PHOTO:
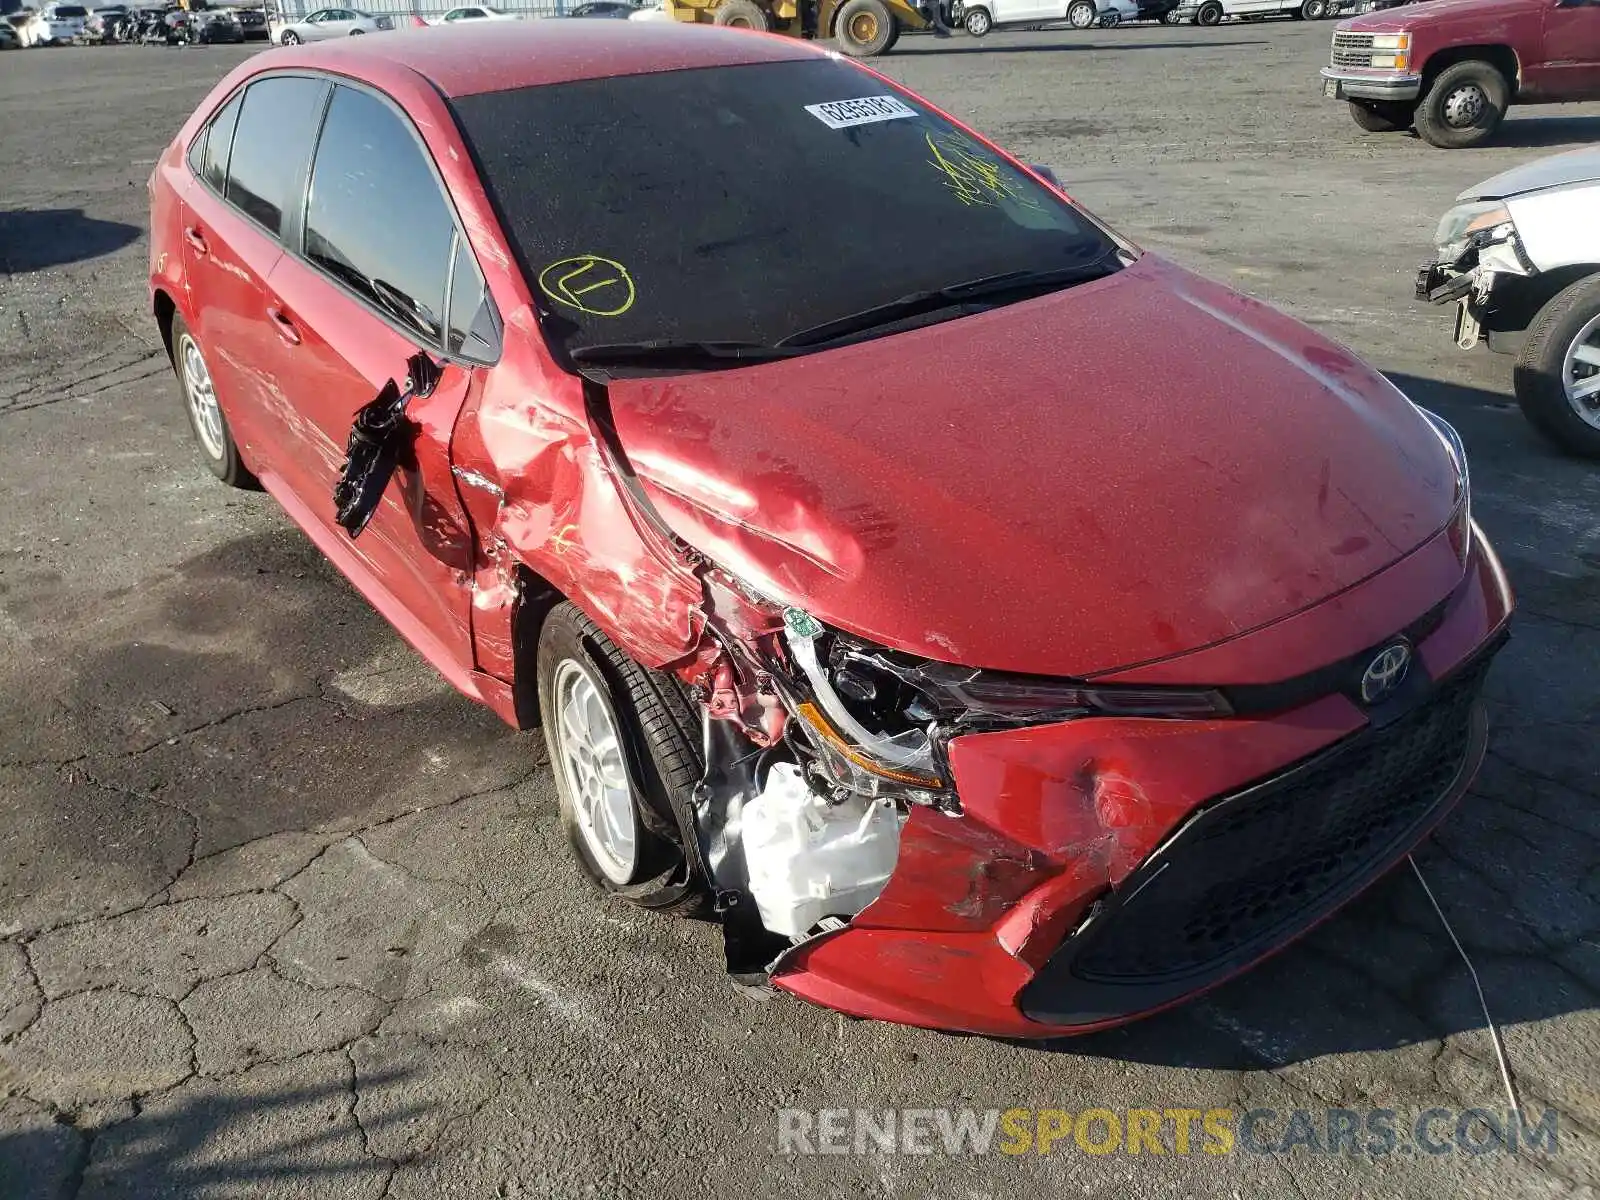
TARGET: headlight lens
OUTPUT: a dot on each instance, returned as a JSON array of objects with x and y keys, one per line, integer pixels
[
  {"x": 878, "y": 719},
  {"x": 1391, "y": 41},
  {"x": 1464, "y": 220}
]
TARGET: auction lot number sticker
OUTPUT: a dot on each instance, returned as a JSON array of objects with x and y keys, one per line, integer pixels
[{"x": 864, "y": 110}]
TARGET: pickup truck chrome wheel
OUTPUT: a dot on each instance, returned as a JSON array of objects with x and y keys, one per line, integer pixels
[
  {"x": 1580, "y": 374},
  {"x": 1464, "y": 106},
  {"x": 590, "y": 754}
]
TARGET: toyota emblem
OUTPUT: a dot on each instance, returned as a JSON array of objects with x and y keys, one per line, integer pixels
[{"x": 1385, "y": 673}]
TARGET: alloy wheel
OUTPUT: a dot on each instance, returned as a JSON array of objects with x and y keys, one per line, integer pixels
[
  {"x": 590, "y": 749},
  {"x": 201, "y": 394},
  {"x": 1580, "y": 374}
]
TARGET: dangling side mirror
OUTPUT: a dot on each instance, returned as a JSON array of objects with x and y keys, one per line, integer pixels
[
  {"x": 1047, "y": 174},
  {"x": 373, "y": 449}
]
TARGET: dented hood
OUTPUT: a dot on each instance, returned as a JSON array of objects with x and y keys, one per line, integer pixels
[{"x": 1107, "y": 475}]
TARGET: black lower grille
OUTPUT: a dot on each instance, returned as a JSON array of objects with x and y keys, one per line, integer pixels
[{"x": 1250, "y": 870}]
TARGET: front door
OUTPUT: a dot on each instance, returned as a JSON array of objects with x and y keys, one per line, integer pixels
[
  {"x": 1571, "y": 70},
  {"x": 380, "y": 249}
]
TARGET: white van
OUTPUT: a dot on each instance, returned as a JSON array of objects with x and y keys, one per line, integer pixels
[
  {"x": 980, "y": 16},
  {"x": 1211, "y": 12}
]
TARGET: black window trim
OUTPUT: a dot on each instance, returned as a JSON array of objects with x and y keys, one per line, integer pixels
[{"x": 292, "y": 235}]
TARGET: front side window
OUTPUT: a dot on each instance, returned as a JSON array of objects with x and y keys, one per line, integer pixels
[
  {"x": 271, "y": 144},
  {"x": 376, "y": 219},
  {"x": 752, "y": 204}
]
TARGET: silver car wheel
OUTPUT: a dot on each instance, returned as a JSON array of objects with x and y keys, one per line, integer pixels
[
  {"x": 1464, "y": 106},
  {"x": 202, "y": 396},
  {"x": 1580, "y": 373},
  {"x": 591, "y": 764}
]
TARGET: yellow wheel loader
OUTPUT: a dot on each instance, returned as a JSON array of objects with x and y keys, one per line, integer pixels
[{"x": 862, "y": 28}]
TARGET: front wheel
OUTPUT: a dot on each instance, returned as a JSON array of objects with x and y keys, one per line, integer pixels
[
  {"x": 978, "y": 22},
  {"x": 624, "y": 753},
  {"x": 1463, "y": 106},
  {"x": 1209, "y": 14},
  {"x": 864, "y": 28},
  {"x": 290, "y": 38},
  {"x": 1382, "y": 116},
  {"x": 357, "y": 32},
  {"x": 1558, "y": 371},
  {"x": 1172, "y": 18},
  {"x": 1082, "y": 14}
]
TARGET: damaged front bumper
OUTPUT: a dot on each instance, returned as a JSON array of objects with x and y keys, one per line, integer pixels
[
  {"x": 1102, "y": 869},
  {"x": 1476, "y": 275}
]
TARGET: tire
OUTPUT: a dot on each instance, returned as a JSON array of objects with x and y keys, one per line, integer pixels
[
  {"x": 894, "y": 36},
  {"x": 978, "y": 22},
  {"x": 357, "y": 32},
  {"x": 864, "y": 28},
  {"x": 212, "y": 436},
  {"x": 290, "y": 38},
  {"x": 1382, "y": 116},
  {"x": 1172, "y": 18},
  {"x": 656, "y": 753},
  {"x": 1082, "y": 15},
  {"x": 741, "y": 14},
  {"x": 1541, "y": 372},
  {"x": 1463, "y": 106},
  {"x": 1209, "y": 14}
]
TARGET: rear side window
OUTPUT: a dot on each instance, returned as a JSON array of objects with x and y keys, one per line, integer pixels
[
  {"x": 376, "y": 218},
  {"x": 218, "y": 141},
  {"x": 271, "y": 143}
]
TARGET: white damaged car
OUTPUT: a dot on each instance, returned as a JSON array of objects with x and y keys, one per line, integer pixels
[{"x": 1519, "y": 257}]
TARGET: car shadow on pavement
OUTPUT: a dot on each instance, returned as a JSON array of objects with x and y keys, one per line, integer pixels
[
  {"x": 975, "y": 48},
  {"x": 226, "y": 1134},
  {"x": 1534, "y": 132},
  {"x": 1513, "y": 866},
  {"x": 33, "y": 239}
]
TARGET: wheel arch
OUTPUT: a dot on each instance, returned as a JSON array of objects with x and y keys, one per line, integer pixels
[
  {"x": 536, "y": 597},
  {"x": 1528, "y": 296},
  {"x": 165, "y": 309},
  {"x": 1502, "y": 57}
]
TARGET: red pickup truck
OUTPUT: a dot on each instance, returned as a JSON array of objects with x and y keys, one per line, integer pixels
[{"x": 1451, "y": 68}]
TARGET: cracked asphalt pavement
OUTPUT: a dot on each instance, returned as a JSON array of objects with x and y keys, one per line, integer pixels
[{"x": 281, "y": 915}]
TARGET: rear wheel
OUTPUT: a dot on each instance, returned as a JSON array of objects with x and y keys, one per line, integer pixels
[
  {"x": 623, "y": 751},
  {"x": 206, "y": 422},
  {"x": 740, "y": 14},
  {"x": 978, "y": 22},
  {"x": 864, "y": 28},
  {"x": 1082, "y": 14},
  {"x": 290, "y": 38},
  {"x": 1209, "y": 14},
  {"x": 1463, "y": 106},
  {"x": 1172, "y": 18},
  {"x": 1558, "y": 371},
  {"x": 1382, "y": 116}
]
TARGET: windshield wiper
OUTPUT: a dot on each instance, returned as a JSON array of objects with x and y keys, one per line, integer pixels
[
  {"x": 669, "y": 352},
  {"x": 1015, "y": 285}
]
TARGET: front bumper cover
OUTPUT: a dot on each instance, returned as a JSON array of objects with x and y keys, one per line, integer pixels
[{"x": 991, "y": 920}]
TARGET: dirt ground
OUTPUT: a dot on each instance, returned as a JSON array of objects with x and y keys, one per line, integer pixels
[{"x": 281, "y": 915}]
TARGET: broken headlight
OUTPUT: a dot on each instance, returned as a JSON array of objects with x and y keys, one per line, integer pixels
[
  {"x": 1466, "y": 221},
  {"x": 879, "y": 719}
]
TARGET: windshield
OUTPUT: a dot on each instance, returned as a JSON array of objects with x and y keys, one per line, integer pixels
[{"x": 750, "y": 203}]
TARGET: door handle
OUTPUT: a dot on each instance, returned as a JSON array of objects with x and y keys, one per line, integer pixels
[
  {"x": 196, "y": 239},
  {"x": 285, "y": 327}
]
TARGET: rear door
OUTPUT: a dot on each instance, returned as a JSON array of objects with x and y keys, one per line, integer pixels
[
  {"x": 379, "y": 271},
  {"x": 1571, "y": 70},
  {"x": 250, "y": 161}
]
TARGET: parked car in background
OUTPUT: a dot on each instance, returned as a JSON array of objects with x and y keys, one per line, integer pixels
[
  {"x": 9, "y": 38},
  {"x": 328, "y": 23},
  {"x": 1211, "y": 12},
  {"x": 813, "y": 659},
  {"x": 102, "y": 19},
  {"x": 253, "y": 23},
  {"x": 1519, "y": 257},
  {"x": 476, "y": 12},
  {"x": 54, "y": 25},
  {"x": 614, "y": 9},
  {"x": 216, "y": 27},
  {"x": 1452, "y": 69},
  {"x": 979, "y": 17},
  {"x": 651, "y": 12}
]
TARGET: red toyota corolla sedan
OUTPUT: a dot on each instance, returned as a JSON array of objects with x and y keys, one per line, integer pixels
[{"x": 994, "y": 626}]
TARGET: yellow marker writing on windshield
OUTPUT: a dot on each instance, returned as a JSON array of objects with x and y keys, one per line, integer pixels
[{"x": 589, "y": 283}]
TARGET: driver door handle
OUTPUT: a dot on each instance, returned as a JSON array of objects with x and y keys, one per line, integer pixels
[{"x": 284, "y": 325}]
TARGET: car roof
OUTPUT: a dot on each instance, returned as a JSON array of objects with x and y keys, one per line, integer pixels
[{"x": 464, "y": 60}]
